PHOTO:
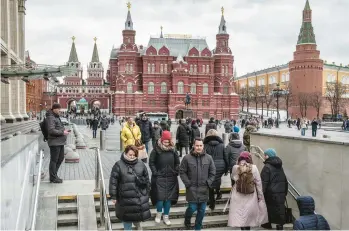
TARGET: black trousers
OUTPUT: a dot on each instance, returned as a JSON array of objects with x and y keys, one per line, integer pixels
[
  {"x": 56, "y": 159},
  {"x": 313, "y": 132},
  {"x": 181, "y": 150}
]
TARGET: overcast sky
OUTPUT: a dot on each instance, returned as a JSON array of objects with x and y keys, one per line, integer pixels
[{"x": 263, "y": 33}]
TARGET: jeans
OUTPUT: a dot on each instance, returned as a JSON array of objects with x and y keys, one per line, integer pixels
[
  {"x": 313, "y": 132},
  {"x": 128, "y": 225},
  {"x": 303, "y": 131},
  {"x": 94, "y": 133},
  {"x": 56, "y": 159},
  {"x": 192, "y": 207},
  {"x": 181, "y": 150},
  {"x": 146, "y": 146},
  {"x": 165, "y": 205}
]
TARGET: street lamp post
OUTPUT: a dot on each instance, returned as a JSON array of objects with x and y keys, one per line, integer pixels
[{"x": 277, "y": 92}]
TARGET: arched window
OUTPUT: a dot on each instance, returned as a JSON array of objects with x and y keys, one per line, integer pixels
[
  {"x": 225, "y": 90},
  {"x": 180, "y": 87},
  {"x": 153, "y": 68},
  {"x": 195, "y": 68},
  {"x": 131, "y": 67},
  {"x": 191, "y": 68},
  {"x": 150, "y": 88},
  {"x": 149, "y": 67},
  {"x": 223, "y": 70},
  {"x": 288, "y": 77},
  {"x": 207, "y": 69},
  {"x": 205, "y": 89},
  {"x": 226, "y": 69},
  {"x": 161, "y": 68},
  {"x": 127, "y": 67},
  {"x": 165, "y": 68},
  {"x": 193, "y": 88},
  {"x": 203, "y": 69},
  {"x": 129, "y": 87},
  {"x": 163, "y": 88},
  {"x": 330, "y": 78},
  {"x": 283, "y": 78}
]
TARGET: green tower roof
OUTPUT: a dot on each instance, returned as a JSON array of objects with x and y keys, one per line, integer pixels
[
  {"x": 306, "y": 34},
  {"x": 95, "y": 57},
  {"x": 73, "y": 57},
  {"x": 307, "y": 6}
]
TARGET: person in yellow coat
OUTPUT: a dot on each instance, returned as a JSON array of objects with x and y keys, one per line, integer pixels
[{"x": 130, "y": 133}]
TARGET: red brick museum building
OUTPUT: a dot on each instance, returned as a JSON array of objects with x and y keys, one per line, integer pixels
[{"x": 156, "y": 78}]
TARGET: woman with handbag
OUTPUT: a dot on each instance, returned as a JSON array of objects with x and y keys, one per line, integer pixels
[
  {"x": 247, "y": 206},
  {"x": 164, "y": 165},
  {"x": 129, "y": 189},
  {"x": 275, "y": 187},
  {"x": 130, "y": 134}
]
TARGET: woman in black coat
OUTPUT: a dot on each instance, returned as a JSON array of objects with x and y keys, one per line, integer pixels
[
  {"x": 214, "y": 146},
  {"x": 275, "y": 187},
  {"x": 129, "y": 189},
  {"x": 164, "y": 165}
]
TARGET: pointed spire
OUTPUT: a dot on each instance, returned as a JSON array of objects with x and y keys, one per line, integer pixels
[
  {"x": 161, "y": 36},
  {"x": 128, "y": 23},
  {"x": 222, "y": 29},
  {"x": 95, "y": 57},
  {"x": 73, "y": 57},
  {"x": 306, "y": 35}
]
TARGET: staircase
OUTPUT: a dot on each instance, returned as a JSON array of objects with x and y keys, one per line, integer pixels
[
  {"x": 9, "y": 130},
  {"x": 81, "y": 212}
]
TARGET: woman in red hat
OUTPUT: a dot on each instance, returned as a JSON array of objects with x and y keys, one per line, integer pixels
[{"x": 164, "y": 165}]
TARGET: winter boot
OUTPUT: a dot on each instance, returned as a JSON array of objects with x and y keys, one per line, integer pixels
[
  {"x": 167, "y": 220},
  {"x": 219, "y": 195},
  {"x": 158, "y": 217},
  {"x": 138, "y": 226}
]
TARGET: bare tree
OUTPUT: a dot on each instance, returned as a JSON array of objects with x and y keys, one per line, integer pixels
[
  {"x": 262, "y": 97},
  {"x": 268, "y": 99},
  {"x": 242, "y": 98},
  {"x": 304, "y": 101},
  {"x": 316, "y": 102},
  {"x": 287, "y": 96},
  {"x": 334, "y": 94},
  {"x": 254, "y": 95}
]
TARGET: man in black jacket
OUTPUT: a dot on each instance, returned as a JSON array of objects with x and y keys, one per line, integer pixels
[
  {"x": 197, "y": 172},
  {"x": 146, "y": 130},
  {"x": 211, "y": 125},
  {"x": 57, "y": 136}
]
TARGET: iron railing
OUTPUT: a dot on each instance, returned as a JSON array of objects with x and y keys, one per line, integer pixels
[
  {"x": 100, "y": 186},
  {"x": 33, "y": 221}
]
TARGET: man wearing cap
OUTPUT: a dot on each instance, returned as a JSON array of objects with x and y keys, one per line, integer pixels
[{"x": 57, "y": 137}]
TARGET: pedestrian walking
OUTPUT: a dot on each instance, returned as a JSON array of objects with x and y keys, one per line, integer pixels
[
  {"x": 314, "y": 127},
  {"x": 303, "y": 126},
  {"x": 197, "y": 172},
  {"x": 275, "y": 187},
  {"x": 195, "y": 132},
  {"x": 146, "y": 130},
  {"x": 157, "y": 132},
  {"x": 164, "y": 165},
  {"x": 214, "y": 146},
  {"x": 57, "y": 137},
  {"x": 94, "y": 127},
  {"x": 247, "y": 136},
  {"x": 234, "y": 148},
  {"x": 228, "y": 126},
  {"x": 104, "y": 123},
  {"x": 129, "y": 189},
  {"x": 247, "y": 206},
  {"x": 130, "y": 133},
  {"x": 182, "y": 137},
  {"x": 308, "y": 220},
  {"x": 211, "y": 125}
]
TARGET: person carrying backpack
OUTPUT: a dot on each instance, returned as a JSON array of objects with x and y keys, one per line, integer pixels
[{"x": 247, "y": 205}]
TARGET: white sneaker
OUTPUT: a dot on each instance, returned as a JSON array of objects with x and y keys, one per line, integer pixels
[
  {"x": 167, "y": 220},
  {"x": 158, "y": 217}
]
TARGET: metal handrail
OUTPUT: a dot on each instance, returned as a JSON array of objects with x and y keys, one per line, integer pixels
[
  {"x": 100, "y": 186},
  {"x": 33, "y": 223},
  {"x": 260, "y": 150}
]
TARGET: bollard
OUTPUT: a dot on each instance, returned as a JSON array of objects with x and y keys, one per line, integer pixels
[
  {"x": 121, "y": 143},
  {"x": 97, "y": 185},
  {"x": 225, "y": 138},
  {"x": 102, "y": 140}
]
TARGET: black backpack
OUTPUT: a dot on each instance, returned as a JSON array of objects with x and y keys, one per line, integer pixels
[{"x": 44, "y": 131}]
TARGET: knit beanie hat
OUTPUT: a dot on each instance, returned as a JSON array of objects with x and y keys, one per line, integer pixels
[
  {"x": 212, "y": 132},
  {"x": 270, "y": 152},
  {"x": 56, "y": 106},
  {"x": 166, "y": 135},
  {"x": 236, "y": 129},
  {"x": 245, "y": 156}
]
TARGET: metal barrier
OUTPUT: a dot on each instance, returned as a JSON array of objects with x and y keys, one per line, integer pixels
[
  {"x": 100, "y": 186},
  {"x": 33, "y": 222}
]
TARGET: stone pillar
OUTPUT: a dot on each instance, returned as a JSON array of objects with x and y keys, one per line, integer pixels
[
  {"x": 23, "y": 100},
  {"x": 6, "y": 103},
  {"x": 16, "y": 100}
]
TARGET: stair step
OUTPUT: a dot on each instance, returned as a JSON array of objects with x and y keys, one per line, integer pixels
[
  {"x": 286, "y": 227},
  {"x": 67, "y": 207},
  {"x": 67, "y": 219},
  {"x": 87, "y": 213},
  {"x": 209, "y": 221},
  {"x": 175, "y": 212},
  {"x": 180, "y": 203},
  {"x": 70, "y": 227}
]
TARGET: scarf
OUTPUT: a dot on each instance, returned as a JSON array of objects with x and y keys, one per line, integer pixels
[
  {"x": 128, "y": 158},
  {"x": 197, "y": 153},
  {"x": 165, "y": 148}
]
